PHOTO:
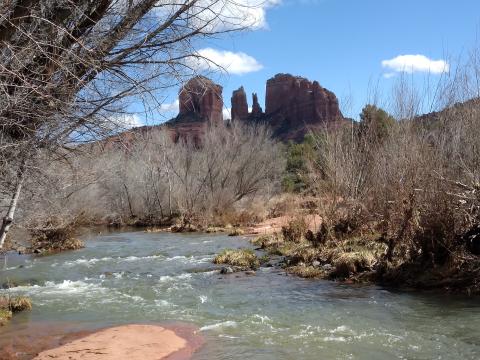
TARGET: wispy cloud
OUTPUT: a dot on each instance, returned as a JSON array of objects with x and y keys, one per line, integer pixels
[
  {"x": 224, "y": 15},
  {"x": 236, "y": 63},
  {"x": 170, "y": 107},
  {"x": 414, "y": 63}
]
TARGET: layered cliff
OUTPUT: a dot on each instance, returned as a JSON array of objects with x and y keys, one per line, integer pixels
[
  {"x": 200, "y": 106},
  {"x": 293, "y": 106}
]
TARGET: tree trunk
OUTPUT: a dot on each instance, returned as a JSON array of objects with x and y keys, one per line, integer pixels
[
  {"x": 132, "y": 215},
  {"x": 8, "y": 219}
]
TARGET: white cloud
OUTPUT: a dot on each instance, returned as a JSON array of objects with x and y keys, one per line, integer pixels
[
  {"x": 170, "y": 107},
  {"x": 234, "y": 14},
  {"x": 222, "y": 15},
  {"x": 415, "y": 63},
  {"x": 237, "y": 63}
]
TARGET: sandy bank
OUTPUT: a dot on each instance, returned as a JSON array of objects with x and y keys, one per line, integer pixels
[{"x": 132, "y": 342}]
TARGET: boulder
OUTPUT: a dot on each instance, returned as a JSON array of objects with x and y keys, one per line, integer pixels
[{"x": 226, "y": 270}]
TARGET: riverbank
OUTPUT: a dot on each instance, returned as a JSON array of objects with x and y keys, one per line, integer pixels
[{"x": 301, "y": 245}]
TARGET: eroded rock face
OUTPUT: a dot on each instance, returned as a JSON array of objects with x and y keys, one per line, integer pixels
[
  {"x": 299, "y": 101},
  {"x": 201, "y": 106},
  {"x": 201, "y": 99},
  {"x": 239, "y": 105},
  {"x": 256, "y": 108},
  {"x": 293, "y": 107}
]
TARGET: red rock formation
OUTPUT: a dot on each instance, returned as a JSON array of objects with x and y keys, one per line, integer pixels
[
  {"x": 300, "y": 100},
  {"x": 256, "y": 108},
  {"x": 201, "y": 105},
  {"x": 295, "y": 105},
  {"x": 201, "y": 98},
  {"x": 239, "y": 105}
]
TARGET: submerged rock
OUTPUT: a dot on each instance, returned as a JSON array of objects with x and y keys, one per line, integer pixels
[{"x": 226, "y": 270}]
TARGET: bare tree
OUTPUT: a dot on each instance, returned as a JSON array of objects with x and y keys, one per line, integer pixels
[{"x": 67, "y": 67}]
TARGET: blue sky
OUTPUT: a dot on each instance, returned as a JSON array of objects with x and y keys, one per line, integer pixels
[{"x": 342, "y": 44}]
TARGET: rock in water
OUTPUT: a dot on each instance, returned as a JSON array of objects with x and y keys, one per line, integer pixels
[{"x": 226, "y": 270}]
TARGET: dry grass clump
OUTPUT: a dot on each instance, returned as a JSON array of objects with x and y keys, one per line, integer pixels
[
  {"x": 20, "y": 303},
  {"x": 11, "y": 305},
  {"x": 5, "y": 316},
  {"x": 243, "y": 258},
  {"x": 304, "y": 253},
  {"x": 295, "y": 229},
  {"x": 267, "y": 241},
  {"x": 349, "y": 263},
  {"x": 306, "y": 272},
  {"x": 214, "y": 229},
  {"x": 54, "y": 234},
  {"x": 236, "y": 232}
]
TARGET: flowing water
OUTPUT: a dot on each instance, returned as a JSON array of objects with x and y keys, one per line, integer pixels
[{"x": 161, "y": 277}]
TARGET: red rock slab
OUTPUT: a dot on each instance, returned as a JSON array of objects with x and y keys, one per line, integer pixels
[{"x": 132, "y": 342}]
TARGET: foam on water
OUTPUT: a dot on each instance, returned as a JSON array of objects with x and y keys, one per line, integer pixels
[{"x": 220, "y": 325}]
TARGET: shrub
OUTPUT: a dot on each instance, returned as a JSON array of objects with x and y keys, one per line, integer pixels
[
  {"x": 236, "y": 232},
  {"x": 266, "y": 241},
  {"x": 348, "y": 263},
  {"x": 295, "y": 230},
  {"x": 54, "y": 234},
  {"x": 9, "y": 306},
  {"x": 5, "y": 316},
  {"x": 20, "y": 303},
  {"x": 307, "y": 272}
]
